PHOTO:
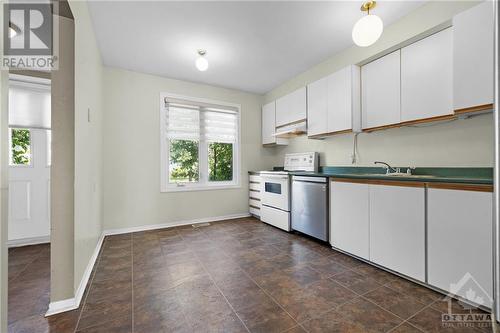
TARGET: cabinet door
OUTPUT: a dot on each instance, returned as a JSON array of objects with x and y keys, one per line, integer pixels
[
  {"x": 298, "y": 105},
  {"x": 291, "y": 108},
  {"x": 282, "y": 110},
  {"x": 317, "y": 107},
  {"x": 380, "y": 91},
  {"x": 339, "y": 101},
  {"x": 349, "y": 224},
  {"x": 473, "y": 46},
  {"x": 426, "y": 77},
  {"x": 397, "y": 229},
  {"x": 460, "y": 242},
  {"x": 268, "y": 123}
]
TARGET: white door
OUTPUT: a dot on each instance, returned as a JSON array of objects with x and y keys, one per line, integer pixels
[
  {"x": 427, "y": 77},
  {"x": 349, "y": 218},
  {"x": 397, "y": 229},
  {"x": 317, "y": 107},
  {"x": 29, "y": 185},
  {"x": 381, "y": 91},
  {"x": 268, "y": 123},
  {"x": 339, "y": 101},
  {"x": 460, "y": 245},
  {"x": 473, "y": 51}
]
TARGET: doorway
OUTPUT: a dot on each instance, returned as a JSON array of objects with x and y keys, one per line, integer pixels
[{"x": 29, "y": 160}]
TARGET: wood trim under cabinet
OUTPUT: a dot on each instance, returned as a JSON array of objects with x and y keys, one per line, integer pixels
[
  {"x": 462, "y": 187},
  {"x": 379, "y": 182},
  {"x": 412, "y": 122},
  {"x": 477, "y": 108},
  {"x": 292, "y": 123},
  {"x": 322, "y": 135}
]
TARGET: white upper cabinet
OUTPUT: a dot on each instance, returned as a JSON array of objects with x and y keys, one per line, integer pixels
[
  {"x": 397, "y": 229},
  {"x": 344, "y": 100},
  {"x": 291, "y": 108},
  {"x": 269, "y": 125},
  {"x": 333, "y": 103},
  {"x": 473, "y": 57},
  {"x": 317, "y": 107},
  {"x": 427, "y": 77},
  {"x": 380, "y": 91}
]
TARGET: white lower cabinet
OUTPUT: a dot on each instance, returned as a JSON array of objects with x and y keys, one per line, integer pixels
[
  {"x": 397, "y": 229},
  {"x": 349, "y": 228},
  {"x": 460, "y": 243}
]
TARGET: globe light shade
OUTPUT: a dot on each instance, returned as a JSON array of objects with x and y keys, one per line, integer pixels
[
  {"x": 201, "y": 63},
  {"x": 367, "y": 30}
]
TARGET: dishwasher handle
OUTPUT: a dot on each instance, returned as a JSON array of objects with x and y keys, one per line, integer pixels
[{"x": 322, "y": 180}]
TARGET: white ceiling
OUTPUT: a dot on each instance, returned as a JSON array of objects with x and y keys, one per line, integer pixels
[{"x": 251, "y": 46}]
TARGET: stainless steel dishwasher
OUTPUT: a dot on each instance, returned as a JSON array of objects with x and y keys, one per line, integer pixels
[{"x": 310, "y": 206}]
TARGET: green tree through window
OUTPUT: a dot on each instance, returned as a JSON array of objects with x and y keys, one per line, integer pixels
[
  {"x": 220, "y": 161},
  {"x": 183, "y": 161},
  {"x": 20, "y": 146}
]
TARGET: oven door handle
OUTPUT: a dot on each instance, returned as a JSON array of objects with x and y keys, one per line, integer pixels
[{"x": 274, "y": 177}]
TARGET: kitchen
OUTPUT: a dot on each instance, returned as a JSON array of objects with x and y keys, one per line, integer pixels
[
  {"x": 260, "y": 166},
  {"x": 410, "y": 221}
]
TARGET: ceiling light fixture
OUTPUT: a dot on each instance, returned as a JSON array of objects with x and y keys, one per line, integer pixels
[
  {"x": 369, "y": 28},
  {"x": 201, "y": 62}
]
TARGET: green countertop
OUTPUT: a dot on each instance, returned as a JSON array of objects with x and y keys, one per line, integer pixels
[{"x": 440, "y": 175}]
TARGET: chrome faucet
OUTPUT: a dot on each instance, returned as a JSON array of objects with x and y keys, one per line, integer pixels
[{"x": 389, "y": 168}]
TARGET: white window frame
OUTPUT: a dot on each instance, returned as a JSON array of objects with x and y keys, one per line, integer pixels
[{"x": 203, "y": 184}]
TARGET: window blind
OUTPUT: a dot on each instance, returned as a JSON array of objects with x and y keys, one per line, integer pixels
[
  {"x": 220, "y": 126},
  {"x": 29, "y": 107},
  {"x": 183, "y": 123},
  {"x": 187, "y": 120}
]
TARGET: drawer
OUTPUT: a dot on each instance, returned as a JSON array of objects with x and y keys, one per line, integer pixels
[
  {"x": 254, "y": 186},
  {"x": 254, "y": 211},
  {"x": 254, "y": 194},
  {"x": 254, "y": 203},
  {"x": 254, "y": 178},
  {"x": 275, "y": 217}
]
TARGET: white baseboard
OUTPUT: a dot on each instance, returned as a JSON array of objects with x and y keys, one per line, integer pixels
[
  {"x": 28, "y": 241},
  {"x": 73, "y": 303},
  {"x": 110, "y": 232}
]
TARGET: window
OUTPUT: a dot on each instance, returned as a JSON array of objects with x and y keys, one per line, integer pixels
[
  {"x": 199, "y": 144},
  {"x": 20, "y": 147}
]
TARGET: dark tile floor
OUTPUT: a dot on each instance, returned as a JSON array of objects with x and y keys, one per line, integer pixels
[{"x": 233, "y": 276}]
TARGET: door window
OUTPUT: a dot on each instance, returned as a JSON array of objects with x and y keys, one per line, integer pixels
[{"x": 20, "y": 147}]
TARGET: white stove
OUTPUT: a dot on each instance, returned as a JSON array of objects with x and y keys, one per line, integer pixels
[{"x": 275, "y": 188}]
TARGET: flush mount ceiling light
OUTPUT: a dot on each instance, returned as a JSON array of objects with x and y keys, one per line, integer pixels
[
  {"x": 368, "y": 28},
  {"x": 201, "y": 62}
]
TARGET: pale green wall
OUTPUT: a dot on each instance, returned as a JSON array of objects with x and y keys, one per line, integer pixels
[
  {"x": 132, "y": 152},
  {"x": 460, "y": 143},
  {"x": 88, "y": 140}
]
